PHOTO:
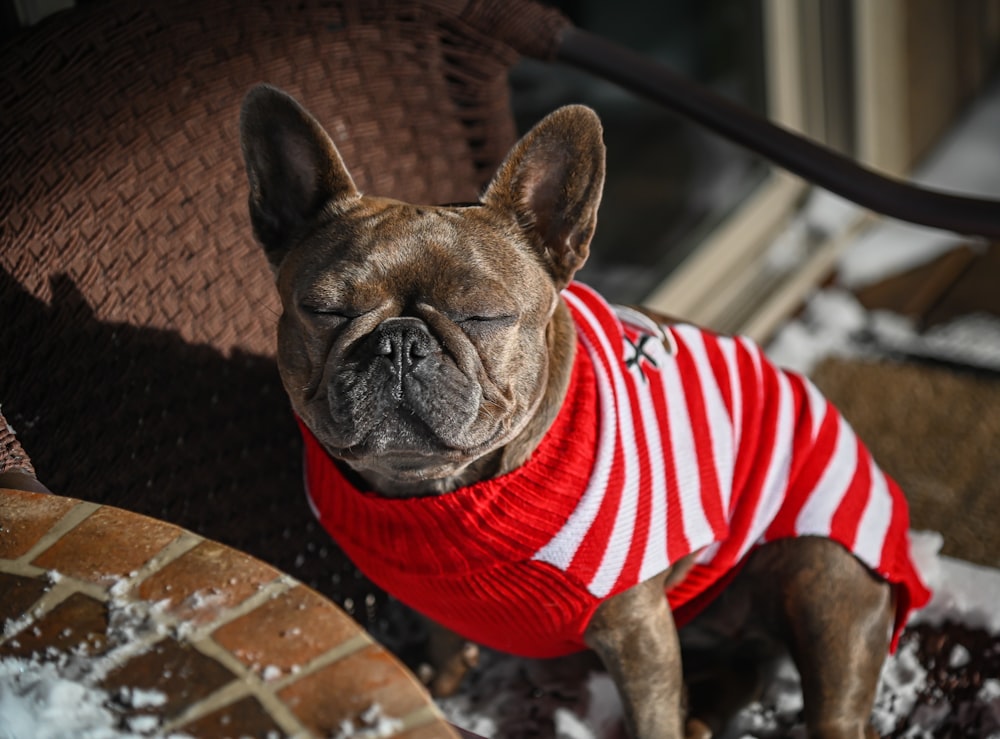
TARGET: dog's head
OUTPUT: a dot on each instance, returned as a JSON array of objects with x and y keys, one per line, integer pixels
[{"x": 416, "y": 340}]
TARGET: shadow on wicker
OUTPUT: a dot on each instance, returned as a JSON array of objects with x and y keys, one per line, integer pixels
[{"x": 139, "y": 315}]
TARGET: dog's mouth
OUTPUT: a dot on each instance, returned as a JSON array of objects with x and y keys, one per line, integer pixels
[
  {"x": 408, "y": 472},
  {"x": 412, "y": 446},
  {"x": 408, "y": 467},
  {"x": 403, "y": 454}
]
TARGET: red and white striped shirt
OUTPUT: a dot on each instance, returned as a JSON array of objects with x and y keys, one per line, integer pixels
[{"x": 672, "y": 440}]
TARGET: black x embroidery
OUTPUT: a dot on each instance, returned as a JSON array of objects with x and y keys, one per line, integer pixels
[{"x": 639, "y": 354}]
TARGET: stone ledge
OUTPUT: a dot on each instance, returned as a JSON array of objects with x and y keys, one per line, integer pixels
[{"x": 235, "y": 647}]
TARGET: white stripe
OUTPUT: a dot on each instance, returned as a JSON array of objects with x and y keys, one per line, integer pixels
[
  {"x": 728, "y": 347},
  {"x": 775, "y": 486},
  {"x": 561, "y": 549},
  {"x": 694, "y": 522},
  {"x": 719, "y": 424},
  {"x": 816, "y": 516},
  {"x": 305, "y": 486},
  {"x": 818, "y": 406},
  {"x": 654, "y": 558},
  {"x": 875, "y": 520},
  {"x": 706, "y": 555},
  {"x": 620, "y": 541}
]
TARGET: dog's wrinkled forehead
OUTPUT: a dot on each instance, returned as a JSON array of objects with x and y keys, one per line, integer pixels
[{"x": 421, "y": 253}]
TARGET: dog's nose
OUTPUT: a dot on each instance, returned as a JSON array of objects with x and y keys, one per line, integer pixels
[{"x": 404, "y": 342}]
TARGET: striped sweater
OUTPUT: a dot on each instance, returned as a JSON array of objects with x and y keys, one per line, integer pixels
[{"x": 671, "y": 441}]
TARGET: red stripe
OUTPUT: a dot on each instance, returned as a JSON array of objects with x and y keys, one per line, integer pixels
[
  {"x": 897, "y": 565},
  {"x": 898, "y": 527},
  {"x": 720, "y": 369},
  {"x": 810, "y": 459},
  {"x": 748, "y": 424},
  {"x": 844, "y": 525}
]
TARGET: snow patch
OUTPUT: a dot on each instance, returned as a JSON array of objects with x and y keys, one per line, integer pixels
[
  {"x": 959, "y": 657},
  {"x": 828, "y": 326},
  {"x": 834, "y": 324},
  {"x": 570, "y": 726},
  {"x": 461, "y": 710},
  {"x": 971, "y": 340},
  {"x": 964, "y": 592},
  {"x": 899, "y": 688},
  {"x": 41, "y": 700},
  {"x": 889, "y": 248},
  {"x": 604, "y": 707},
  {"x": 140, "y": 698},
  {"x": 371, "y": 724},
  {"x": 271, "y": 672},
  {"x": 990, "y": 691},
  {"x": 58, "y": 695}
]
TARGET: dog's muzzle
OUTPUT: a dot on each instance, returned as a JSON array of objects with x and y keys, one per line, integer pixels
[{"x": 403, "y": 342}]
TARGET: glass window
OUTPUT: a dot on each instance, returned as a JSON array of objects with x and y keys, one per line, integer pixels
[{"x": 669, "y": 181}]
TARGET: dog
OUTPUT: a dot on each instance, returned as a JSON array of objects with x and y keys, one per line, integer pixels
[{"x": 542, "y": 472}]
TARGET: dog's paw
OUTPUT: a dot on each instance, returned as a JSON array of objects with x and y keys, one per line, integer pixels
[
  {"x": 696, "y": 729},
  {"x": 445, "y": 678}
]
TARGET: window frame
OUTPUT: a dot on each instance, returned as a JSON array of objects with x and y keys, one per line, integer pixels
[
  {"x": 717, "y": 284},
  {"x": 876, "y": 111}
]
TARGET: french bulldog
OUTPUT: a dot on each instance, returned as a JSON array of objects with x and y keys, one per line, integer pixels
[{"x": 542, "y": 472}]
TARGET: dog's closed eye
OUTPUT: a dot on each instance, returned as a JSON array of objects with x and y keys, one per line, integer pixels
[
  {"x": 484, "y": 324},
  {"x": 326, "y": 310}
]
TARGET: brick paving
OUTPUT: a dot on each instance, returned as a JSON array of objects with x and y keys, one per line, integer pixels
[{"x": 235, "y": 647}]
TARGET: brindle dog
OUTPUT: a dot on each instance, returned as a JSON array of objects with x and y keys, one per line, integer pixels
[{"x": 428, "y": 348}]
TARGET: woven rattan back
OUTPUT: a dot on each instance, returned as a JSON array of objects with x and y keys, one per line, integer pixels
[{"x": 137, "y": 315}]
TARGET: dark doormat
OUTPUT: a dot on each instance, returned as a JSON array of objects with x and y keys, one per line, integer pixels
[{"x": 936, "y": 430}]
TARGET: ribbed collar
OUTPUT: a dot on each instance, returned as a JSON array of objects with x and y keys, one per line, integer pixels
[{"x": 485, "y": 524}]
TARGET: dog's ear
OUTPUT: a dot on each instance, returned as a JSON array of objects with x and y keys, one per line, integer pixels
[
  {"x": 293, "y": 166},
  {"x": 552, "y": 182}
]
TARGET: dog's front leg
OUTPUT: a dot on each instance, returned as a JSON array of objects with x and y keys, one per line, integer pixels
[
  {"x": 635, "y": 637},
  {"x": 449, "y": 657}
]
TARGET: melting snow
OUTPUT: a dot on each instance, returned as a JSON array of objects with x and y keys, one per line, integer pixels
[
  {"x": 50, "y": 700},
  {"x": 58, "y": 695},
  {"x": 371, "y": 724}
]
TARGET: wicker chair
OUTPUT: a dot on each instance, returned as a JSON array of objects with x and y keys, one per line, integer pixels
[{"x": 137, "y": 315}]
